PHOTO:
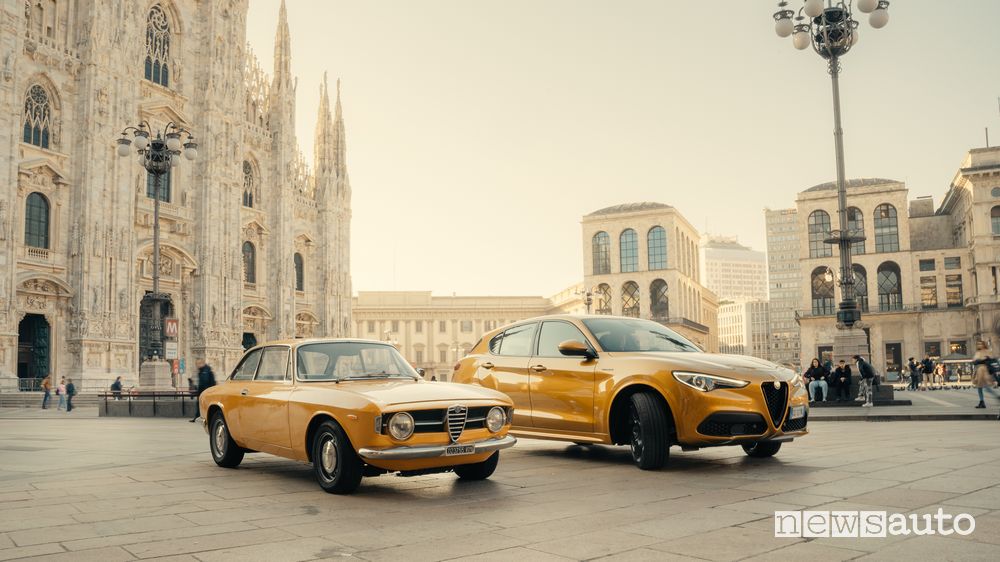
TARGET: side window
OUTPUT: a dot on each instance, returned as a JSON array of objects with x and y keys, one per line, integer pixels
[
  {"x": 517, "y": 340},
  {"x": 247, "y": 367},
  {"x": 553, "y": 334},
  {"x": 273, "y": 364},
  {"x": 495, "y": 343}
]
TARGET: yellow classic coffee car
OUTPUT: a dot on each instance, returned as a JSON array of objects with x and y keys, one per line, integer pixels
[
  {"x": 353, "y": 408},
  {"x": 611, "y": 380}
]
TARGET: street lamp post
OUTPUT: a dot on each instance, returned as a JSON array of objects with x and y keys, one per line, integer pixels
[
  {"x": 157, "y": 156},
  {"x": 832, "y": 31}
]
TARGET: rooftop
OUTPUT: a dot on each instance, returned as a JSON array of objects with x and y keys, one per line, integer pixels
[
  {"x": 629, "y": 208},
  {"x": 856, "y": 182}
]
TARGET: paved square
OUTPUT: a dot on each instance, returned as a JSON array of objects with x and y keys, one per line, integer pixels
[{"x": 108, "y": 489}]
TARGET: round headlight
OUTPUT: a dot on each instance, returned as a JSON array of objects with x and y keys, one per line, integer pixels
[
  {"x": 495, "y": 419},
  {"x": 401, "y": 426}
]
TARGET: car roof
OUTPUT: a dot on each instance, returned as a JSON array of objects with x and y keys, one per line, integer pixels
[{"x": 297, "y": 342}]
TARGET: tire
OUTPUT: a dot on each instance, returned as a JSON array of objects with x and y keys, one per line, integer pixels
[
  {"x": 225, "y": 452},
  {"x": 650, "y": 431},
  {"x": 761, "y": 449},
  {"x": 336, "y": 465},
  {"x": 479, "y": 470}
]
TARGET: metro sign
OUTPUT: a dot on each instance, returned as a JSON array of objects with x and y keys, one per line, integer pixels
[{"x": 170, "y": 327}]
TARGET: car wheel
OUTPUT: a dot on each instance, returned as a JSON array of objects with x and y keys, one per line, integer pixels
[
  {"x": 761, "y": 449},
  {"x": 338, "y": 468},
  {"x": 225, "y": 452},
  {"x": 650, "y": 431},
  {"x": 479, "y": 470}
]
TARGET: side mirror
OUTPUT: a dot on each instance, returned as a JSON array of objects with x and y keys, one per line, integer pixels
[{"x": 574, "y": 348}]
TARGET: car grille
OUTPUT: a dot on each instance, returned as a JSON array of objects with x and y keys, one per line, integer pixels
[
  {"x": 777, "y": 400},
  {"x": 457, "y": 415},
  {"x": 795, "y": 425},
  {"x": 434, "y": 421},
  {"x": 729, "y": 429}
]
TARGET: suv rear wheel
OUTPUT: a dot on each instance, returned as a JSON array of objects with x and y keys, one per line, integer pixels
[{"x": 650, "y": 428}]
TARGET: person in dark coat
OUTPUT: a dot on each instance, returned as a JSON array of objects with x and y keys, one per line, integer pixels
[
  {"x": 914, "y": 374},
  {"x": 70, "y": 393},
  {"x": 206, "y": 380},
  {"x": 116, "y": 388},
  {"x": 867, "y": 374},
  {"x": 842, "y": 381},
  {"x": 927, "y": 371},
  {"x": 816, "y": 377}
]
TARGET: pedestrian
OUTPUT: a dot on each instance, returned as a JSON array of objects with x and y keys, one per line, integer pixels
[
  {"x": 914, "y": 374},
  {"x": 842, "y": 381},
  {"x": 816, "y": 375},
  {"x": 206, "y": 380},
  {"x": 985, "y": 377},
  {"x": 61, "y": 393},
  {"x": 927, "y": 372},
  {"x": 47, "y": 389},
  {"x": 939, "y": 375},
  {"x": 116, "y": 388},
  {"x": 70, "y": 393},
  {"x": 866, "y": 381}
]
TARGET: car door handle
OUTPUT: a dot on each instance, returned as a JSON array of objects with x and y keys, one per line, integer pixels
[
  {"x": 538, "y": 368},
  {"x": 244, "y": 392},
  {"x": 487, "y": 365}
]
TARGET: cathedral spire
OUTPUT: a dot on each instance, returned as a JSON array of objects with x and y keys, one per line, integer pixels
[
  {"x": 340, "y": 138},
  {"x": 282, "y": 49},
  {"x": 323, "y": 145}
]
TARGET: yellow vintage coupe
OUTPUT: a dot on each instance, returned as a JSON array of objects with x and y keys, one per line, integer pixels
[
  {"x": 604, "y": 379},
  {"x": 353, "y": 408}
]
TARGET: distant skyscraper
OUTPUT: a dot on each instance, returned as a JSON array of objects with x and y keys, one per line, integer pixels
[
  {"x": 744, "y": 328},
  {"x": 733, "y": 271},
  {"x": 784, "y": 282}
]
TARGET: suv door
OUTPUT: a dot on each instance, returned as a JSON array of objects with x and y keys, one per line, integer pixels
[
  {"x": 264, "y": 414},
  {"x": 561, "y": 388},
  {"x": 505, "y": 368}
]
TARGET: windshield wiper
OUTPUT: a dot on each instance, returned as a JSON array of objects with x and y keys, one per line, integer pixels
[{"x": 673, "y": 341}]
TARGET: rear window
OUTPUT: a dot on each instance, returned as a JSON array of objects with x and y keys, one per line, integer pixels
[
  {"x": 495, "y": 343},
  {"x": 247, "y": 367},
  {"x": 517, "y": 340}
]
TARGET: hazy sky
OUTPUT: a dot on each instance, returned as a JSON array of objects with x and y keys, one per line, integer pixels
[{"x": 479, "y": 132}]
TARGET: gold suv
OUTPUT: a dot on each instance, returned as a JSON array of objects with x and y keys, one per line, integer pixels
[{"x": 611, "y": 380}]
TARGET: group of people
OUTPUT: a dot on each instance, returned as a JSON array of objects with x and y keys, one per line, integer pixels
[
  {"x": 820, "y": 378},
  {"x": 65, "y": 390},
  {"x": 925, "y": 374}
]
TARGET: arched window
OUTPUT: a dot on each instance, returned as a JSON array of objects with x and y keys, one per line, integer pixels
[
  {"x": 164, "y": 186},
  {"x": 822, "y": 291},
  {"x": 36, "y": 221},
  {"x": 630, "y": 299},
  {"x": 628, "y": 244},
  {"x": 819, "y": 230},
  {"x": 890, "y": 295},
  {"x": 602, "y": 253},
  {"x": 603, "y": 299},
  {"x": 156, "y": 68},
  {"x": 886, "y": 229},
  {"x": 37, "y": 116},
  {"x": 299, "y": 273},
  {"x": 861, "y": 287},
  {"x": 248, "y": 184},
  {"x": 856, "y": 227},
  {"x": 995, "y": 220},
  {"x": 659, "y": 303},
  {"x": 249, "y": 263},
  {"x": 656, "y": 245}
]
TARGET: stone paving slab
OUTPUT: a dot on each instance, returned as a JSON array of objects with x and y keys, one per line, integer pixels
[{"x": 112, "y": 489}]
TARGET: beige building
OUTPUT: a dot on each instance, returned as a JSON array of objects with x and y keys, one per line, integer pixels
[
  {"x": 641, "y": 260},
  {"x": 927, "y": 276},
  {"x": 255, "y": 245},
  {"x": 744, "y": 328},
  {"x": 733, "y": 271},
  {"x": 434, "y": 332},
  {"x": 783, "y": 277}
]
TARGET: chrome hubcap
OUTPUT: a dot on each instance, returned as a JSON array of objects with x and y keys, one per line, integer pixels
[
  {"x": 220, "y": 437},
  {"x": 328, "y": 456}
]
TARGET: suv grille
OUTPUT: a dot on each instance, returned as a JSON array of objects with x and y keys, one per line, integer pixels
[
  {"x": 795, "y": 425},
  {"x": 777, "y": 399},
  {"x": 456, "y": 421}
]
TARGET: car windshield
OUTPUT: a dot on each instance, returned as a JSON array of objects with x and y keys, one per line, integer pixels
[
  {"x": 332, "y": 361},
  {"x": 625, "y": 335}
]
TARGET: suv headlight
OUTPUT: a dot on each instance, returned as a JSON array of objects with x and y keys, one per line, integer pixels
[
  {"x": 401, "y": 426},
  {"x": 495, "y": 419},
  {"x": 706, "y": 383}
]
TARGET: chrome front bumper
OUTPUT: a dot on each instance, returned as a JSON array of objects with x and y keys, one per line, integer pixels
[{"x": 432, "y": 451}]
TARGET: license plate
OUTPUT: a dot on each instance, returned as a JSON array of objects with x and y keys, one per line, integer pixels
[
  {"x": 452, "y": 450},
  {"x": 797, "y": 412}
]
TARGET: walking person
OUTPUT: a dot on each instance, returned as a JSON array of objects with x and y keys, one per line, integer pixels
[
  {"x": 939, "y": 375},
  {"x": 842, "y": 381},
  {"x": 985, "y": 377},
  {"x": 116, "y": 388},
  {"x": 206, "y": 380},
  {"x": 866, "y": 381},
  {"x": 61, "y": 393},
  {"x": 70, "y": 393},
  {"x": 927, "y": 371},
  {"x": 914, "y": 374},
  {"x": 816, "y": 375},
  {"x": 47, "y": 389}
]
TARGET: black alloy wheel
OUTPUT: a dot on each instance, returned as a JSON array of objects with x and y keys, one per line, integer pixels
[
  {"x": 650, "y": 431},
  {"x": 337, "y": 467},
  {"x": 225, "y": 452},
  {"x": 761, "y": 449}
]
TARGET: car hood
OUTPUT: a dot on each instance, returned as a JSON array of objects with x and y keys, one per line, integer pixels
[
  {"x": 740, "y": 366},
  {"x": 396, "y": 391}
]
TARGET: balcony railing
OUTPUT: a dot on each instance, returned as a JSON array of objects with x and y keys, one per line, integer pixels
[
  {"x": 37, "y": 253},
  {"x": 900, "y": 309}
]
